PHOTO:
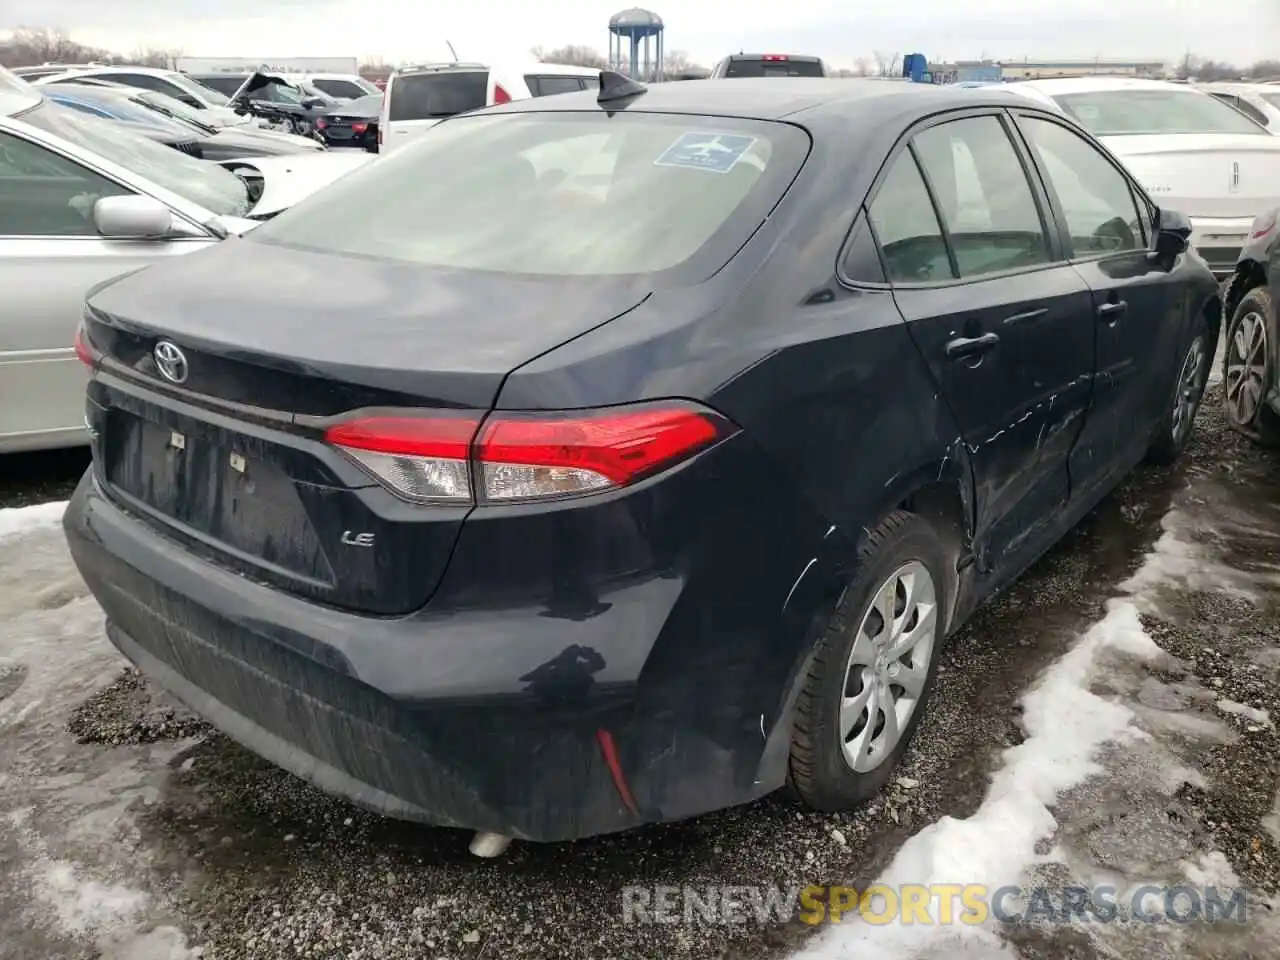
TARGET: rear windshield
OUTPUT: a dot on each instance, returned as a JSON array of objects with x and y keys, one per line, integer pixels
[
  {"x": 541, "y": 85},
  {"x": 433, "y": 96},
  {"x": 791, "y": 67},
  {"x": 557, "y": 194},
  {"x": 1116, "y": 113}
]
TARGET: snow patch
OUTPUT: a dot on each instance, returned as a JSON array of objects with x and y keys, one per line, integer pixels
[
  {"x": 1262, "y": 717},
  {"x": 86, "y": 906},
  {"x": 15, "y": 521},
  {"x": 1066, "y": 725}
]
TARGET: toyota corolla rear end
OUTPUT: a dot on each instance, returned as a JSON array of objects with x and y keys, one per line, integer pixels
[{"x": 315, "y": 521}]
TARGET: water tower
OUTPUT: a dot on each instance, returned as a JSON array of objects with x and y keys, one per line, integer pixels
[{"x": 633, "y": 30}]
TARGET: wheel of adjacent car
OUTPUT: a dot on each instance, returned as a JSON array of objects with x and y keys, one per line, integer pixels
[
  {"x": 1190, "y": 376},
  {"x": 870, "y": 678},
  {"x": 1248, "y": 370}
]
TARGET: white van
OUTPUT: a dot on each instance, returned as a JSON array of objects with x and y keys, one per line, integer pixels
[{"x": 417, "y": 98}]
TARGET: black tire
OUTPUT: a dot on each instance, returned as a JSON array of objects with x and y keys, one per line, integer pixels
[
  {"x": 819, "y": 771},
  {"x": 1255, "y": 420},
  {"x": 1178, "y": 422}
]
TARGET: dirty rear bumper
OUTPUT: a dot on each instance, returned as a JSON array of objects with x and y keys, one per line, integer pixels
[{"x": 499, "y": 721}]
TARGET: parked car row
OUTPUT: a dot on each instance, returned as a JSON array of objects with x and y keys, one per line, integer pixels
[
  {"x": 614, "y": 457},
  {"x": 680, "y": 424},
  {"x": 85, "y": 198}
]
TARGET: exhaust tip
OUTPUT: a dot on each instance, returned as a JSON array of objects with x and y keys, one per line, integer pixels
[{"x": 489, "y": 845}]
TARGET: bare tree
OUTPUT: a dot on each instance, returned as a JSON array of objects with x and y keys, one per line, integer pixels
[
  {"x": 1186, "y": 68},
  {"x": 862, "y": 67},
  {"x": 571, "y": 55},
  {"x": 152, "y": 57},
  {"x": 888, "y": 64},
  {"x": 1265, "y": 70}
]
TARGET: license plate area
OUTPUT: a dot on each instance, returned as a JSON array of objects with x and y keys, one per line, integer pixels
[{"x": 210, "y": 487}]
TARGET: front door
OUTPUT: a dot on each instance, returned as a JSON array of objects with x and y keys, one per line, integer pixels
[
  {"x": 50, "y": 255},
  {"x": 1138, "y": 307},
  {"x": 998, "y": 315}
]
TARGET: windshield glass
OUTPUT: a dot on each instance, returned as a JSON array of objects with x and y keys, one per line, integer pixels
[
  {"x": 207, "y": 94},
  {"x": 584, "y": 194},
  {"x": 1116, "y": 113},
  {"x": 1272, "y": 98},
  {"x": 176, "y": 109},
  {"x": 207, "y": 184},
  {"x": 120, "y": 108},
  {"x": 759, "y": 67}
]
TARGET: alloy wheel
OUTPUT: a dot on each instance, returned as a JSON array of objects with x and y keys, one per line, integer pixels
[
  {"x": 1246, "y": 369},
  {"x": 888, "y": 666},
  {"x": 1190, "y": 389}
]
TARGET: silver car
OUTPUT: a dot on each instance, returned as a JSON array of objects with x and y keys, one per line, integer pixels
[{"x": 83, "y": 200}]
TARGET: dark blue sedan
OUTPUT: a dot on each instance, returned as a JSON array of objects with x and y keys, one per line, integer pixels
[{"x": 612, "y": 458}]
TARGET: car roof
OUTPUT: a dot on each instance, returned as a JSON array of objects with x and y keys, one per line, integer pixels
[
  {"x": 1237, "y": 86},
  {"x": 518, "y": 66},
  {"x": 1056, "y": 86},
  {"x": 125, "y": 68},
  {"x": 760, "y": 56},
  {"x": 16, "y": 94},
  {"x": 774, "y": 99}
]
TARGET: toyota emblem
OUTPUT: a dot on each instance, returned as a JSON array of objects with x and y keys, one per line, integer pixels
[{"x": 171, "y": 361}]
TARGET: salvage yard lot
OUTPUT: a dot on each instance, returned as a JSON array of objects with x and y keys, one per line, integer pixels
[{"x": 128, "y": 830}]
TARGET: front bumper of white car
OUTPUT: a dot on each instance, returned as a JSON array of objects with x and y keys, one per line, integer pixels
[{"x": 1219, "y": 240}]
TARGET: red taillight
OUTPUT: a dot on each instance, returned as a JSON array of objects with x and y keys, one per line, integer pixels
[
  {"x": 520, "y": 457},
  {"x": 775, "y": 57},
  {"x": 359, "y": 127},
  {"x": 1261, "y": 226},
  {"x": 500, "y": 94},
  {"x": 321, "y": 123},
  {"x": 87, "y": 355}
]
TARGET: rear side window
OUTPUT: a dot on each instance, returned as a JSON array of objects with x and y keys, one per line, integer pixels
[
  {"x": 907, "y": 226},
  {"x": 550, "y": 86},
  {"x": 434, "y": 96},
  {"x": 759, "y": 67},
  {"x": 985, "y": 197},
  {"x": 553, "y": 193}
]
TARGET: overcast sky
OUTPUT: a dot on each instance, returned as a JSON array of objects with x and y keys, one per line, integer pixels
[{"x": 841, "y": 32}]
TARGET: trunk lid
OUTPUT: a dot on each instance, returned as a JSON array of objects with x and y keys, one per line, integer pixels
[
  {"x": 231, "y": 461},
  {"x": 1205, "y": 175}
]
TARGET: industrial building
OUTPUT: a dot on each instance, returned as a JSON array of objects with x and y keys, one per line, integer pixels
[{"x": 1040, "y": 69}]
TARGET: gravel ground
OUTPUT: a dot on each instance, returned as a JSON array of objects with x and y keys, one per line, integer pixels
[{"x": 255, "y": 864}]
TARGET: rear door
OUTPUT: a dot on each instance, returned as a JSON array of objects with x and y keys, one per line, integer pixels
[
  {"x": 1138, "y": 307},
  {"x": 50, "y": 255},
  {"x": 1003, "y": 322},
  {"x": 416, "y": 102}
]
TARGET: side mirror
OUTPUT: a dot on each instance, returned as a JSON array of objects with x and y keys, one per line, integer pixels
[
  {"x": 312, "y": 102},
  {"x": 1171, "y": 234},
  {"x": 132, "y": 218}
]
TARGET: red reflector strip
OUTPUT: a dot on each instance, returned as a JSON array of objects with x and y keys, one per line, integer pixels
[
  {"x": 610, "y": 752},
  {"x": 1266, "y": 228},
  {"x": 84, "y": 352},
  {"x": 443, "y": 438},
  {"x": 621, "y": 446}
]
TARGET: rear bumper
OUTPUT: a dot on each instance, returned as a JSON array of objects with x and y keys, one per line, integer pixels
[
  {"x": 487, "y": 717},
  {"x": 1219, "y": 240}
]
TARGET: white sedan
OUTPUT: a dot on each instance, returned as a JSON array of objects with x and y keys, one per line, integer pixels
[
  {"x": 1191, "y": 152},
  {"x": 83, "y": 200}
]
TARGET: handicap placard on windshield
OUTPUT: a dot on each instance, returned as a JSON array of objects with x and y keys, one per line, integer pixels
[{"x": 714, "y": 152}]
